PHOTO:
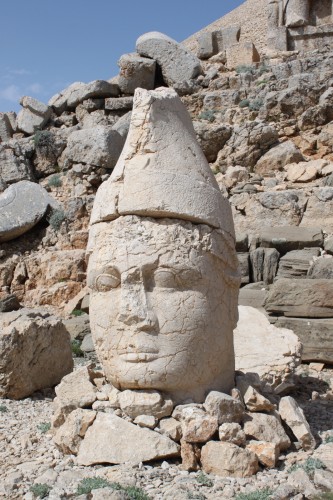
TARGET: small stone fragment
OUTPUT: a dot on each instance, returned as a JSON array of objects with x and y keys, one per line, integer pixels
[
  {"x": 294, "y": 417},
  {"x": 197, "y": 426},
  {"x": 267, "y": 453},
  {"x": 267, "y": 428},
  {"x": 224, "y": 407},
  {"x": 232, "y": 433},
  {"x": 253, "y": 400}
]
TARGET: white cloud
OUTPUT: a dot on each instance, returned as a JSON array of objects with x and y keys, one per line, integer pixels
[
  {"x": 11, "y": 93},
  {"x": 36, "y": 88}
]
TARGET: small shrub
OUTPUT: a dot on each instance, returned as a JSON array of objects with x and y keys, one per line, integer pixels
[
  {"x": 92, "y": 483},
  {"x": 55, "y": 181},
  {"x": 261, "y": 82},
  {"x": 40, "y": 490},
  {"x": 3, "y": 409},
  {"x": 208, "y": 115},
  {"x": 324, "y": 496},
  {"x": 310, "y": 465},
  {"x": 263, "y": 68},
  {"x": 77, "y": 312},
  {"x": 76, "y": 348},
  {"x": 204, "y": 480},
  {"x": 44, "y": 427},
  {"x": 134, "y": 493},
  {"x": 45, "y": 144},
  {"x": 329, "y": 439},
  {"x": 256, "y": 105},
  {"x": 195, "y": 496},
  {"x": 245, "y": 103},
  {"x": 56, "y": 219},
  {"x": 263, "y": 494},
  {"x": 244, "y": 68}
]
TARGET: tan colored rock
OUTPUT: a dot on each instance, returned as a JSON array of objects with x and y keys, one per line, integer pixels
[
  {"x": 35, "y": 352},
  {"x": 228, "y": 460},
  {"x": 232, "y": 433},
  {"x": 190, "y": 454},
  {"x": 241, "y": 53},
  {"x": 171, "y": 428},
  {"x": 146, "y": 421},
  {"x": 253, "y": 400},
  {"x": 325, "y": 453},
  {"x": 294, "y": 417},
  {"x": 301, "y": 172},
  {"x": 267, "y": 428},
  {"x": 135, "y": 403},
  {"x": 302, "y": 482},
  {"x": 273, "y": 353},
  {"x": 69, "y": 436},
  {"x": 224, "y": 407},
  {"x": 112, "y": 440},
  {"x": 267, "y": 453},
  {"x": 197, "y": 426}
]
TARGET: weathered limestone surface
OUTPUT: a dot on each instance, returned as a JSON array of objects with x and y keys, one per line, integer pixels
[
  {"x": 273, "y": 353},
  {"x": 296, "y": 263},
  {"x": 112, "y": 440},
  {"x": 6, "y": 130},
  {"x": 294, "y": 417},
  {"x": 22, "y": 205},
  {"x": 177, "y": 64},
  {"x": 35, "y": 352},
  {"x": 14, "y": 169},
  {"x": 227, "y": 459},
  {"x": 135, "y": 71},
  {"x": 33, "y": 116},
  {"x": 287, "y": 238},
  {"x": 267, "y": 428},
  {"x": 135, "y": 403}
]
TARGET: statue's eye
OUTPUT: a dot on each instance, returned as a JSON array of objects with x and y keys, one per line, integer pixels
[
  {"x": 106, "y": 282},
  {"x": 165, "y": 278}
]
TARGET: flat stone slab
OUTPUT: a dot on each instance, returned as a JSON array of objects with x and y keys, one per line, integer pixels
[
  {"x": 113, "y": 440},
  {"x": 295, "y": 264},
  {"x": 287, "y": 238},
  {"x": 306, "y": 298},
  {"x": 22, "y": 206}
]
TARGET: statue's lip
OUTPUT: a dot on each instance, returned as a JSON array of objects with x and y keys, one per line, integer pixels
[
  {"x": 138, "y": 350},
  {"x": 138, "y": 357}
]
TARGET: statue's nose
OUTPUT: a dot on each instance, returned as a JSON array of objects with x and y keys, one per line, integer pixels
[{"x": 135, "y": 309}]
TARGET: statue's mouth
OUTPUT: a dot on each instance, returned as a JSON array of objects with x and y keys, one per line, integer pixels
[{"x": 138, "y": 357}]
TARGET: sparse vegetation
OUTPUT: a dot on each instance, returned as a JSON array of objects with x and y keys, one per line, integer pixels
[
  {"x": 44, "y": 427},
  {"x": 310, "y": 465},
  {"x": 55, "y": 181},
  {"x": 134, "y": 493},
  {"x": 208, "y": 115},
  {"x": 245, "y": 103},
  {"x": 324, "y": 496},
  {"x": 263, "y": 494},
  {"x": 196, "y": 496},
  {"x": 56, "y": 219},
  {"x": 256, "y": 105},
  {"x": 244, "y": 68},
  {"x": 204, "y": 480},
  {"x": 88, "y": 484},
  {"x": 3, "y": 409},
  {"x": 40, "y": 490},
  {"x": 77, "y": 312},
  {"x": 76, "y": 348},
  {"x": 45, "y": 144}
]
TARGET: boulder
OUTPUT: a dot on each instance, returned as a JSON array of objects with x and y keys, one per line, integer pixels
[
  {"x": 232, "y": 433},
  {"x": 212, "y": 137},
  {"x": 197, "y": 426},
  {"x": 273, "y": 353},
  {"x": 99, "y": 146},
  {"x": 267, "y": 453},
  {"x": 135, "y": 403},
  {"x": 69, "y": 436},
  {"x": 241, "y": 53},
  {"x": 13, "y": 168},
  {"x": 112, "y": 440},
  {"x": 22, "y": 206},
  {"x": 315, "y": 336},
  {"x": 190, "y": 454},
  {"x": 177, "y": 64},
  {"x": 264, "y": 264},
  {"x": 294, "y": 417},
  {"x": 225, "y": 408},
  {"x": 319, "y": 209},
  {"x": 171, "y": 428},
  {"x": 228, "y": 460},
  {"x": 287, "y": 238},
  {"x": 321, "y": 269},
  {"x": 119, "y": 103},
  {"x": 33, "y": 116},
  {"x": 306, "y": 298},
  {"x": 301, "y": 172},
  {"x": 205, "y": 48},
  {"x": 264, "y": 427},
  {"x": 296, "y": 263},
  {"x": 277, "y": 158},
  {"x": 135, "y": 71},
  {"x": 94, "y": 89},
  {"x": 35, "y": 352},
  {"x": 324, "y": 453}
]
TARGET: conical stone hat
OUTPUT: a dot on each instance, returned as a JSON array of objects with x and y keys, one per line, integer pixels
[{"x": 162, "y": 171}]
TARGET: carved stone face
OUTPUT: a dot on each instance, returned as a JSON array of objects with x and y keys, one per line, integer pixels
[{"x": 160, "y": 307}]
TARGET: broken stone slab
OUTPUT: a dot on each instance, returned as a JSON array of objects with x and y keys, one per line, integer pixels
[
  {"x": 136, "y": 71},
  {"x": 135, "y": 403},
  {"x": 264, "y": 264},
  {"x": 294, "y": 417},
  {"x": 177, "y": 64},
  {"x": 224, "y": 407},
  {"x": 315, "y": 336},
  {"x": 69, "y": 436},
  {"x": 145, "y": 167},
  {"x": 267, "y": 453},
  {"x": 6, "y": 131},
  {"x": 146, "y": 421},
  {"x": 205, "y": 48},
  {"x": 197, "y": 426},
  {"x": 287, "y": 238},
  {"x": 301, "y": 172},
  {"x": 239, "y": 54},
  {"x": 296, "y": 263},
  {"x": 232, "y": 433},
  {"x": 230, "y": 36},
  {"x": 35, "y": 352},
  {"x": 228, "y": 460},
  {"x": 34, "y": 115},
  {"x": 261, "y": 348},
  {"x": 264, "y": 427},
  {"x": 112, "y": 440},
  {"x": 306, "y": 298},
  {"x": 13, "y": 168},
  {"x": 119, "y": 103},
  {"x": 22, "y": 206},
  {"x": 319, "y": 209},
  {"x": 254, "y": 401},
  {"x": 99, "y": 146}
]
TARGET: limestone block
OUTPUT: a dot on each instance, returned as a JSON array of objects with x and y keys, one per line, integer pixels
[
  {"x": 273, "y": 353},
  {"x": 146, "y": 421},
  {"x": 294, "y": 417},
  {"x": 212, "y": 137},
  {"x": 112, "y": 440},
  {"x": 264, "y": 427},
  {"x": 135, "y": 403},
  {"x": 230, "y": 36},
  {"x": 296, "y": 264},
  {"x": 243, "y": 53},
  {"x": 197, "y": 426},
  {"x": 304, "y": 298},
  {"x": 69, "y": 436},
  {"x": 267, "y": 453},
  {"x": 225, "y": 408},
  {"x": 297, "y": 13},
  {"x": 300, "y": 479},
  {"x": 315, "y": 336},
  {"x": 171, "y": 428},
  {"x": 277, "y": 158},
  {"x": 6, "y": 130},
  {"x": 94, "y": 89},
  {"x": 228, "y": 460},
  {"x": 14, "y": 169},
  {"x": 232, "y": 433},
  {"x": 35, "y": 352},
  {"x": 33, "y": 116},
  {"x": 253, "y": 400},
  {"x": 286, "y": 238},
  {"x": 319, "y": 209},
  {"x": 190, "y": 454},
  {"x": 301, "y": 172},
  {"x": 324, "y": 453},
  {"x": 119, "y": 103},
  {"x": 252, "y": 298},
  {"x": 136, "y": 71},
  {"x": 22, "y": 205},
  {"x": 321, "y": 268},
  {"x": 205, "y": 48},
  {"x": 244, "y": 267},
  {"x": 99, "y": 146},
  {"x": 264, "y": 264},
  {"x": 177, "y": 64}
]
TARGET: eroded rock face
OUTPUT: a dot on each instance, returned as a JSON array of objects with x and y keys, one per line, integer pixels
[{"x": 163, "y": 289}]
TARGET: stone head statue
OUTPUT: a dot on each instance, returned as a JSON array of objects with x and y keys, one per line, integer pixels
[{"x": 163, "y": 270}]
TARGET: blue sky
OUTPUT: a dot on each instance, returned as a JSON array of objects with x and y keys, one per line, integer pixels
[{"x": 47, "y": 45}]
